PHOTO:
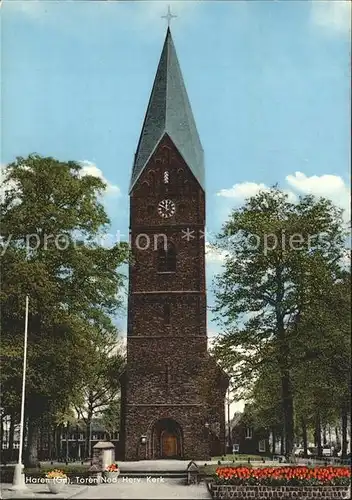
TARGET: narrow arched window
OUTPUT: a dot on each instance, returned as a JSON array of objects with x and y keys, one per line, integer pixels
[
  {"x": 166, "y": 177},
  {"x": 161, "y": 259},
  {"x": 167, "y": 258},
  {"x": 180, "y": 176},
  {"x": 152, "y": 180},
  {"x": 171, "y": 258}
]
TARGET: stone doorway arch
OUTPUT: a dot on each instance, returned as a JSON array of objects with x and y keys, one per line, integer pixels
[{"x": 166, "y": 439}]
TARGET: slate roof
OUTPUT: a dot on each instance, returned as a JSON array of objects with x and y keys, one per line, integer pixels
[
  {"x": 169, "y": 112},
  {"x": 97, "y": 425}
]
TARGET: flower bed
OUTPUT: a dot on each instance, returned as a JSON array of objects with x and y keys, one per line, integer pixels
[
  {"x": 56, "y": 474},
  {"x": 112, "y": 468},
  {"x": 281, "y": 482},
  {"x": 56, "y": 480},
  {"x": 112, "y": 472}
]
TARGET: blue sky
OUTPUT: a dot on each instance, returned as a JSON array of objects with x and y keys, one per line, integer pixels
[{"x": 268, "y": 82}]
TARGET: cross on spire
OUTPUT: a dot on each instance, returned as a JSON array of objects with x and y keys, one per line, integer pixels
[{"x": 168, "y": 16}]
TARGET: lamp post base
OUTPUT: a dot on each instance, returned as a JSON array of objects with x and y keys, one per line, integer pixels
[{"x": 19, "y": 483}]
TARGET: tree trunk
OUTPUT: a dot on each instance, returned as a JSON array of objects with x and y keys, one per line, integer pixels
[
  {"x": 25, "y": 432},
  {"x": 274, "y": 441},
  {"x": 286, "y": 384},
  {"x": 50, "y": 441},
  {"x": 77, "y": 442},
  {"x": 337, "y": 435},
  {"x": 329, "y": 434},
  {"x": 287, "y": 404},
  {"x": 325, "y": 441},
  {"x": 31, "y": 456},
  {"x": 282, "y": 444},
  {"x": 59, "y": 436},
  {"x": 40, "y": 454},
  {"x": 11, "y": 437},
  {"x": 304, "y": 436},
  {"x": 67, "y": 434},
  {"x": 55, "y": 448},
  {"x": 88, "y": 444},
  {"x": 318, "y": 434},
  {"x": 1, "y": 431},
  {"x": 56, "y": 451},
  {"x": 344, "y": 417}
]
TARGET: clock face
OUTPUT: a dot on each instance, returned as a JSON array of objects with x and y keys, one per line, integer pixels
[{"x": 166, "y": 208}]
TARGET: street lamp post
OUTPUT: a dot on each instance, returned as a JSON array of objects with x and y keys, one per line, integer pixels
[{"x": 18, "y": 477}]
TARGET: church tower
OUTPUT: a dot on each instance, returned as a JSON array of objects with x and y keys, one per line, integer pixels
[{"x": 173, "y": 392}]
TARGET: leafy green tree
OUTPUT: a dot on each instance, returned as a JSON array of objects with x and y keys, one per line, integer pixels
[
  {"x": 100, "y": 391},
  {"x": 111, "y": 416},
  {"x": 281, "y": 255},
  {"x": 323, "y": 372},
  {"x": 51, "y": 222},
  {"x": 320, "y": 385},
  {"x": 266, "y": 402}
]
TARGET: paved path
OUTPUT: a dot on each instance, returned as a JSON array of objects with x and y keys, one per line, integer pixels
[
  {"x": 41, "y": 491},
  {"x": 137, "y": 488},
  {"x": 145, "y": 488}
]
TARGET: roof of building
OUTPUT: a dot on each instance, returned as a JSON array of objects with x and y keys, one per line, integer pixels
[
  {"x": 96, "y": 426},
  {"x": 169, "y": 112},
  {"x": 236, "y": 419}
]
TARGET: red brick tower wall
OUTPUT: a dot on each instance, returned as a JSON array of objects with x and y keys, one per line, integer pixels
[{"x": 165, "y": 361}]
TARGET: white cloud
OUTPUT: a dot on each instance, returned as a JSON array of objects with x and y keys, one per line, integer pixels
[
  {"x": 211, "y": 339},
  {"x": 89, "y": 168},
  {"x": 332, "y": 187},
  {"x": 6, "y": 185},
  {"x": 236, "y": 406},
  {"x": 242, "y": 191},
  {"x": 332, "y": 15},
  {"x": 214, "y": 255},
  {"x": 323, "y": 185}
]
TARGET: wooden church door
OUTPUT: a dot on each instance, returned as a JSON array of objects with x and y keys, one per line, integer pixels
[{"x": 168, "y": 444}]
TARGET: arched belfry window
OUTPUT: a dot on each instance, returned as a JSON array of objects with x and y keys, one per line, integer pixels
[
  {"x": 167, "y": 258},
  {"x": 152, "y": 180},
  {"x": 166, "y": 177},
  {"x": 145, "y": 186},
  {"x": 180, "y": 177}
]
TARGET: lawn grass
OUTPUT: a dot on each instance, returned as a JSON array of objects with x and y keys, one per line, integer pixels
[
  {"x": 228, "y": 460},
  {"x": 208, "y": 470},
  {"x": 64, "y": 468},
  {"x": 241, "y": 458}
]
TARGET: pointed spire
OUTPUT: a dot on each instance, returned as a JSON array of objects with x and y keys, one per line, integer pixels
[{"x": 169, "y": 112}]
